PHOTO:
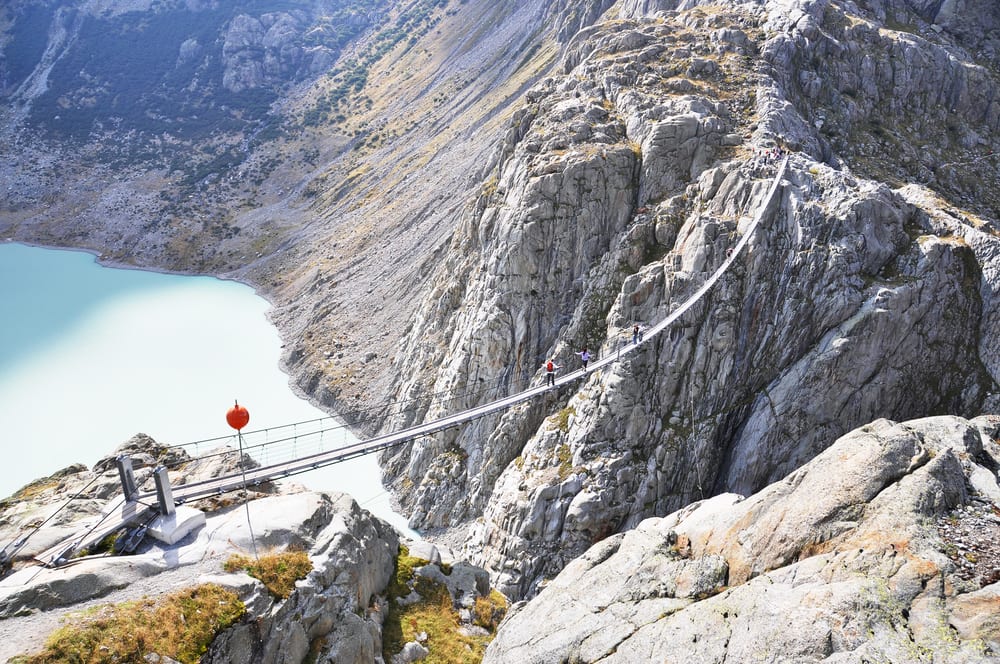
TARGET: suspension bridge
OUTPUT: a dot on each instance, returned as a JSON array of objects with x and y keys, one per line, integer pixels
[{"x": 138, "y": 509}]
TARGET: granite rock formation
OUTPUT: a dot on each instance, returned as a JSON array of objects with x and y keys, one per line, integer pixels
[
  {"x": 479, "y": 186},
  {"x": 847, "y": 559},
  {"x": 622, "y": 183}
]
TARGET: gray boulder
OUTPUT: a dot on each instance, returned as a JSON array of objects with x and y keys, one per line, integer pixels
[
  {"x": 839, "y": 561},
  {"x": 333, "y": 613},
  {"x": 352, "y": 554}
]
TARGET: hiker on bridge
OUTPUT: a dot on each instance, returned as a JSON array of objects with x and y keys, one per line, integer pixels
[
  {"x": 636, "y": 335},
  {"x": 550, "y": 372},
  {"x": 584, "y": 357}
]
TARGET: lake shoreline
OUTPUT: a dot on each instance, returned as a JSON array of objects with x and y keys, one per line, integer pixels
[{"x": 268, "y": 352}]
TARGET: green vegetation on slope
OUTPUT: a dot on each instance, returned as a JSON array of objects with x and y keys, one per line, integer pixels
[
  {"x": 434, "y": 615},
  {"x": 352, "y": 76}
]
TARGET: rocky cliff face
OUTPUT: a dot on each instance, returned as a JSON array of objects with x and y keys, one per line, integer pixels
[
  {"x": 335, "y": 613},
  {"x": 563, "y": 171},
  {"x": 621, "y": 184},
  {"x": 321, "y": 151},
  {"x": 858, "y": 556}
]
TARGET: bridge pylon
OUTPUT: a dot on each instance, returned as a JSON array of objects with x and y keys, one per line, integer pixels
[
  {"x": 164, "y": 494},
  {"x": 127, "y": 476}
]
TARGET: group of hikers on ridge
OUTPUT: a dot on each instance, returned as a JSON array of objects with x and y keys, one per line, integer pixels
[{"x": 551, "y": 367}]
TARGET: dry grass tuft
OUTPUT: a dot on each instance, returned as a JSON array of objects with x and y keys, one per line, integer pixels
[
  {"x": 490, "y": 610},
  {"x": 434, "y": 614},
  {"x": 277, "y": 571},
  {"x": 181, "y": 626}
]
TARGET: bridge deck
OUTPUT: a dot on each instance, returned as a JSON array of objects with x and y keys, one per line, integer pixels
[
  {"x": 276, "y": 471},
  {"x": 259, "y": 475}
]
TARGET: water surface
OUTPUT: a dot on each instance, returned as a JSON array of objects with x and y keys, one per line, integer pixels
[{"x": 90, "y": 356}]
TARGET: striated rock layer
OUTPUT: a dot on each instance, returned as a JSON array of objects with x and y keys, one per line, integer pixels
[
  {"x": 840, "y": 561},
  {"x": 869, "y": 291}
]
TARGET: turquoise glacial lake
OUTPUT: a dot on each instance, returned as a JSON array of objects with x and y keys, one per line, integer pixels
[{"x": 90, "y": 356}]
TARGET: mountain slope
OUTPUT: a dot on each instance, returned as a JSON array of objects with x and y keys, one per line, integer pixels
[
  {"x": 868, "y": 292},
  {"x": 331, "y": 192},
  {"x": 440, "y": 195}
]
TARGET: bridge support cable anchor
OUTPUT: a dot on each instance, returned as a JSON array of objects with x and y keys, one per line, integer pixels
[
  {"x": 127, "y": 476},
  {"x": 164, "y": 494}
]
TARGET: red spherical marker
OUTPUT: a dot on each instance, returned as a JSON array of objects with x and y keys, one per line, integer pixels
[{"x": 237, "y": 416}]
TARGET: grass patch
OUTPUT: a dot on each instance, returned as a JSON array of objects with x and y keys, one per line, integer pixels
[
  {"x": 490, "y": 610},
  {"x": 31, "y": 491},
  {"x": 489, "y": 187},
  {"x": 180, "y": 625},
  {"x": 277, "y": 571},
  {"x": 434, "y": 614},
  {"x": 564, "y": 455},
  {"x": 561, "y": 419}
]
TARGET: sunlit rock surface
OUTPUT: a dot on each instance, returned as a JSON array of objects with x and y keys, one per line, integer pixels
[{"x": 842, "y": 560}]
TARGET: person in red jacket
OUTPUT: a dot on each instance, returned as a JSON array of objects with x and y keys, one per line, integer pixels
[{"x": 550, "y": 372}]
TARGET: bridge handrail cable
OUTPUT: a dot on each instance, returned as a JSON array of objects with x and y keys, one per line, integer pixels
[{"x": 377, "y": 443}]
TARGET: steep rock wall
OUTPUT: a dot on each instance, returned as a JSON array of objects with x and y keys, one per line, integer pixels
[
  {"x": 323, "y": 152},
  {"x": 620, "y": 186}
]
